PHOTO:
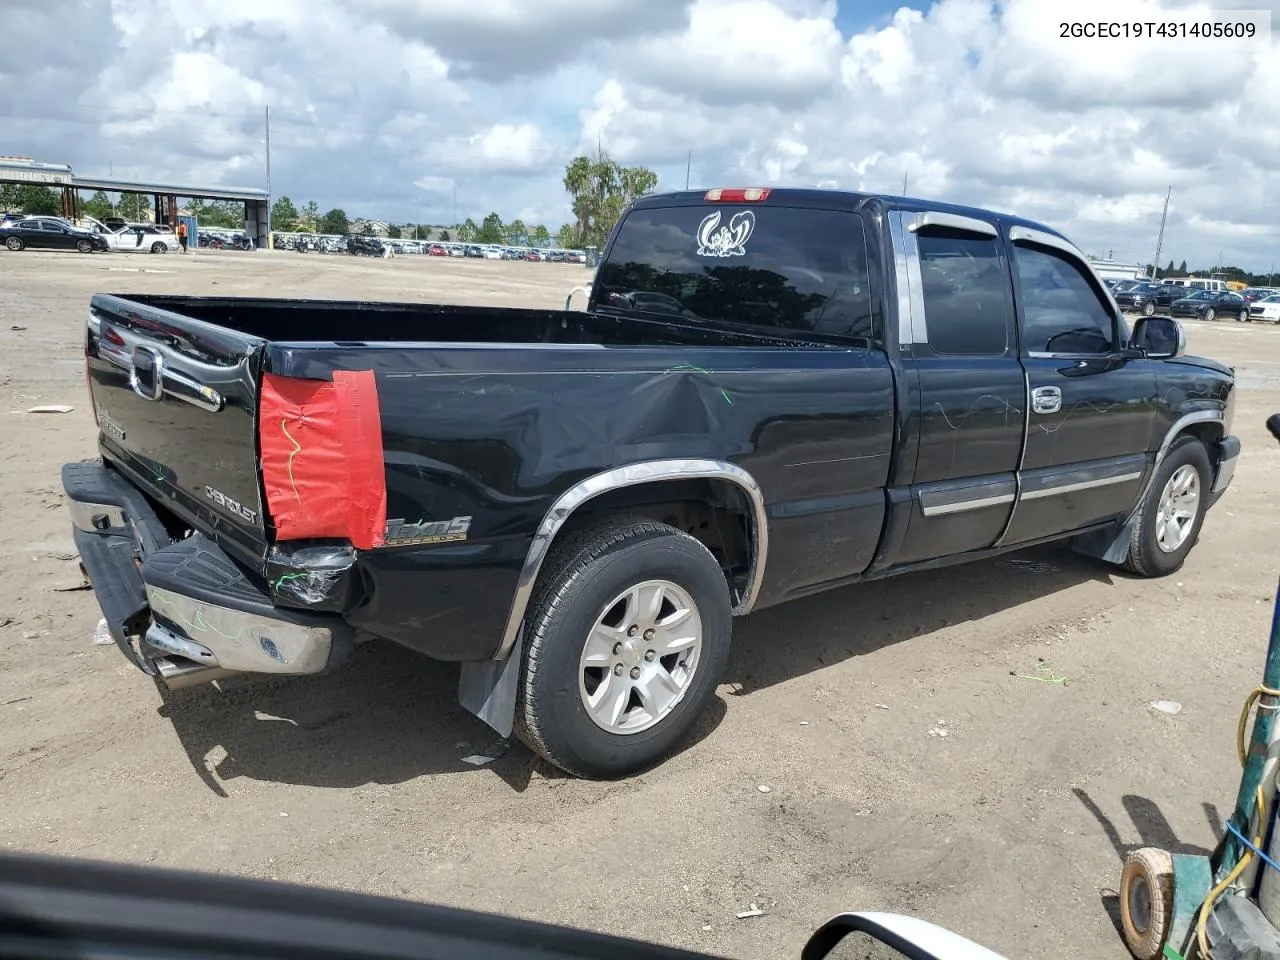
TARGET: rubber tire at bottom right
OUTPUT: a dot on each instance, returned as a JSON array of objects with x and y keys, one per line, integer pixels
[
  {"x": 1153, "y": 868},
  {"x": 1145, "y": 556}
]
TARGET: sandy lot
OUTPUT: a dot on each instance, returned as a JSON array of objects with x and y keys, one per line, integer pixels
[{"x": 1009, "y": 830}]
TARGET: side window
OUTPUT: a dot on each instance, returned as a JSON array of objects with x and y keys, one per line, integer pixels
[
  {"x": 50, "y": 227},
  {"x": 1061, "y": 311},
  {"x": 966, "y": 300}
]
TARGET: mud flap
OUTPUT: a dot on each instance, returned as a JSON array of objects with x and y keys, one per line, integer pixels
[
  {"x": 1110, "y": 544},
  {"x": 487, "y": 688}
]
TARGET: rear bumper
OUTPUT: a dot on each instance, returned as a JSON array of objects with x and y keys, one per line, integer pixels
[{"x": 182, "y": 611}]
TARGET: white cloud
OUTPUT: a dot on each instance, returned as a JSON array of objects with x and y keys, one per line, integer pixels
[{"x": 390, "y": 107}]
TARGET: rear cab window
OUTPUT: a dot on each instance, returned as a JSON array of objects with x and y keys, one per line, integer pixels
[{"x": 790, "y": 272}]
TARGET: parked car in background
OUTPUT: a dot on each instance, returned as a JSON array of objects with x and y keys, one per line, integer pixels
[
  {"x": 1266, "y": 309},
  {"x": 437, "y": 250},
  {"x": 140, "y": 238},
  {"x": 1210, "y": 304},
  {"x": 48, "y": 233},
  {"x": 1254, "y": 294},
  {"x": 1147, "y": 298},
  {"x": 363, "y": 246}
]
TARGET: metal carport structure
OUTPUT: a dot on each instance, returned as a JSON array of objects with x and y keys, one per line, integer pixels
[{"x": 257, "y": 202}]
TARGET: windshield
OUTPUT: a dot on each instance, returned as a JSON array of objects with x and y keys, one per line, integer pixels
[{"x": 777, "y": 268}]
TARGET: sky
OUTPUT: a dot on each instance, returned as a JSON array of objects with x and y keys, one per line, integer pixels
[{"x": 398, "y": 109}]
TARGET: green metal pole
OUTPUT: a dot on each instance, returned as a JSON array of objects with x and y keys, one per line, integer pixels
[{"x": 1231, "y": 849}]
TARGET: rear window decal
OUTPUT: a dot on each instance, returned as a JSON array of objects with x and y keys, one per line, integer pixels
[{"x": 728, "y": 241}]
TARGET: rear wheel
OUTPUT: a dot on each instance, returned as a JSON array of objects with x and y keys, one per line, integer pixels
[
  {"x": 1210, "y": 314},
  {"x": 626, "y": 638},
  {"x": 159, "y": 247},
  {"x": 1170, "y": 518},
  {"x": 14, "y": 243},
  {"x": 84, "y": 246}
]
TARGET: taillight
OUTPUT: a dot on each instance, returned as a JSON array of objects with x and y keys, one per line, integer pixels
[
  {"x": 113, "y": 336},
  {"x": 322, "y": 466},
  {"x": 737, "y": 195}
]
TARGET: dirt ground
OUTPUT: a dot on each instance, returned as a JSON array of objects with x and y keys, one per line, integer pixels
[{"x": 1009, "y": 829}]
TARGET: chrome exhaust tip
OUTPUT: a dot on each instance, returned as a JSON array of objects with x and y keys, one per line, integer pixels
[{"x": 179, "y": 673}]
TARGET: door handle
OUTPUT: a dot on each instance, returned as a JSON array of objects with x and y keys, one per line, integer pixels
[{"x": 1046, "y": 400}]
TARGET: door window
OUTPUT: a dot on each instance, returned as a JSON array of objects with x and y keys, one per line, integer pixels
[
  {"x": 966, "y": 299},
  {"x": 1062, "y": 311}
]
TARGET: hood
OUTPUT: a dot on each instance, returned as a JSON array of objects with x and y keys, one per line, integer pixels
[{"x": 1205, "y": 363}]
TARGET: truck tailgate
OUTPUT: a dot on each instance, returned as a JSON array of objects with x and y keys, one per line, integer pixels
[{"x": 175, "y": 400}]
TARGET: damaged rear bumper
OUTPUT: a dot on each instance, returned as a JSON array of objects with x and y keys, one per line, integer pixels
[{"x": 183, "y": 611}]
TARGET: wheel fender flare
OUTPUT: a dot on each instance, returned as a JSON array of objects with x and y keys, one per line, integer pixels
[
  {"x": 488, "y": 688},
  {"x": 1114, "y": 547}
]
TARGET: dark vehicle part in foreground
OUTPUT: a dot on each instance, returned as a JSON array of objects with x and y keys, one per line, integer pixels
[
  {"x": 75, "y": 909},
  {"x": 769, "y": 394},
  {"x": 1228, "y": 903}
]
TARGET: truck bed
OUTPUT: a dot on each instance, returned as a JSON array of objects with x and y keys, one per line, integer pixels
[{"x": 485, "y": 416}]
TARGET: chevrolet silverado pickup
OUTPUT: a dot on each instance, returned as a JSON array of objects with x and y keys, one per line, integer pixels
[{"x": 767, "y": 394}]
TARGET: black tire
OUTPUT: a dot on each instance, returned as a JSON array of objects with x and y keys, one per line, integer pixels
[
  {"x": 1244, "y": 316},
  {"x": 583, "y": 574},
  {"x": 84, "y": 246},
  {"x": 1146, "y": 557},
  {"x": 1148, "y": 309},
  {"x": 159, "y": 247},
  {"x": 14, "y": 244},
  {"x": 1211, "y": 314}
]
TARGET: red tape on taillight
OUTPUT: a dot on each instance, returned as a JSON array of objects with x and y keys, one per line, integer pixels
[{"x": 322, "y": 465}]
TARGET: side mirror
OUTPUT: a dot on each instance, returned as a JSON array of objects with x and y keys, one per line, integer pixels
[
  {"x": 889, "y": 936},
  {"x": 1162, "y": 338}
]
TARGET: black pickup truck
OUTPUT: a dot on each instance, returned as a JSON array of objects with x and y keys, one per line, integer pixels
[{"x": 769, "y": 393}]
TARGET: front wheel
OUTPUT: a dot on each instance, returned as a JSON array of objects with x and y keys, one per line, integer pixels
[
  {"x": 1148, "y": 309},
  {"x": 1244, "y": 316},
  {"x": 84, "y": 246},
  {"x": 1169, "y": 519},
  {"x": 1210, "y": 314},
  {"x": 159, "y": 247},
  {"x": 14, "y": 243},
  {"x": 626, "y": 638}
]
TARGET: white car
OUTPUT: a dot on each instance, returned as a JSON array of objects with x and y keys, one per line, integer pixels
[
  {"x": 140, "y": 238},
  {"x": 1267, "y": 308}
]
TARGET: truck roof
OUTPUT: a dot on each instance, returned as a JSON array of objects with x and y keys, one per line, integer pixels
[{"x": 843, "y": 200}]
